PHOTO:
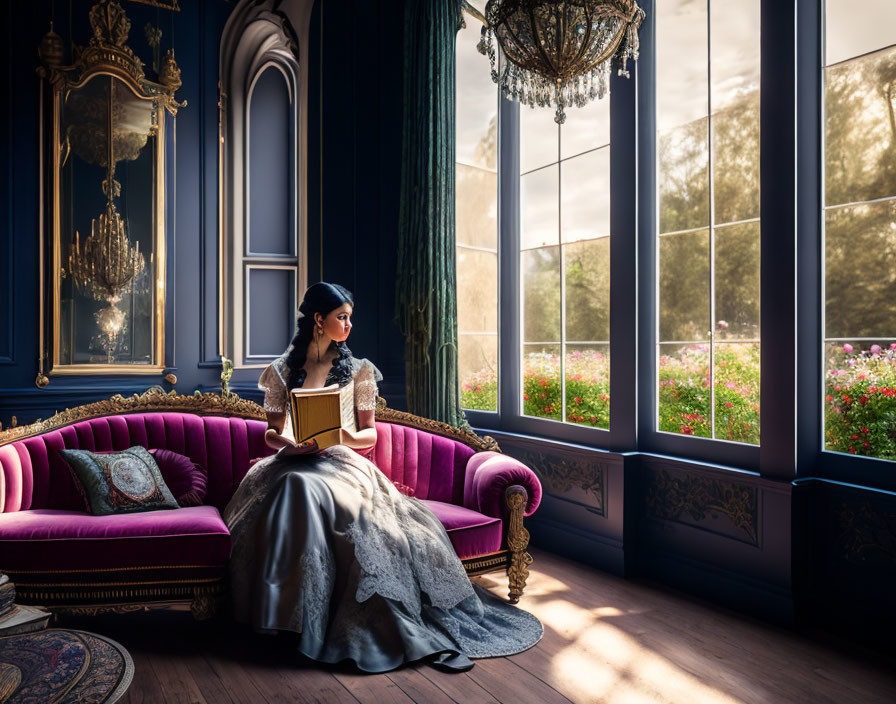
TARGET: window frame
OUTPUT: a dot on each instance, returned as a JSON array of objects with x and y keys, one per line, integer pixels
[
  {"x": 791, "y": 124},
  {"x": 830, "y": 464}
]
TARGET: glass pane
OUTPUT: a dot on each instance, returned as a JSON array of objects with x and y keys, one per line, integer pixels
[
  {"x": 587, "y": 369},
  {"x": 737, "y": 282},
  {"x": 477, "y": 103},
  {"x": 860, "y": 129},
  {"x": 860, "y": 397},
  {"x": 539, "y": 208},
  {"x": 477, "y": 290},
  {"x": 736, "y": 380},
  {"x": 585, "y": 128},
  {"x": 541, "y": 294},
  {"x": 478, "y": 371},
  {"x": 684, "y": 393},
  {"x": 541, "y": 381},
  {"x": 585, "y": 196},
  {"x": 734, "y": 57},
  {"x": 860, "y": 271},
  {"x": 681, "y": 63},
  {"x": 476, "y": 210},
  {"x": 735, "y": 154},
  {"x": 587, "y": 265},
  {"x": 684, "y": 287},
  {"x": 683, "y": 177},
  {"x": 539, "y": 138},
  {"x": 851, "y": 32}
]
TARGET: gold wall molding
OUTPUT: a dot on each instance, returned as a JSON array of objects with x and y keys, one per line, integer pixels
[{"x": 670, "y": 496}]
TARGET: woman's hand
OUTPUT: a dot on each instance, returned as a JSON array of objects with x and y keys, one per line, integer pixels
[
  {"x": 308, "y": 447},
  {"x": 285, "y": 446}
]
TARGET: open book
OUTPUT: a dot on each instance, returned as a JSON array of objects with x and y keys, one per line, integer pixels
[{"x": 319, "y": 414}]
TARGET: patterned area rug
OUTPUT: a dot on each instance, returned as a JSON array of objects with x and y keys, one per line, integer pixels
[{"x": 57, "y": 666}]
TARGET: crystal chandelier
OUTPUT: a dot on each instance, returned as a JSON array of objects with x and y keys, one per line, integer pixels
[
  {"x": 105, "y": 269},
  {"x": 559, "y": 52}
]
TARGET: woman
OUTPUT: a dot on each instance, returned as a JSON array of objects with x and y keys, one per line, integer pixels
[{"x": 325, "y": 546}]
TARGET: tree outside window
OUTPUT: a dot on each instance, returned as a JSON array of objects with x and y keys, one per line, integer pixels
[
  {"x": 707, "y": 95},
  {"x": 860, "y": 230}
]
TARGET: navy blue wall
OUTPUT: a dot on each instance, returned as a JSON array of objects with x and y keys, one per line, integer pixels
[{"x": 354, "y": 143}]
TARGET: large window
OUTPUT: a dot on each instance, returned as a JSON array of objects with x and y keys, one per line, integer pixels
[
  {"x": 565, "y": 264},
  {"x": 860, "y": 229},
  {"x": 707, "y": 106},
  {"x": 476, "y": 214}
]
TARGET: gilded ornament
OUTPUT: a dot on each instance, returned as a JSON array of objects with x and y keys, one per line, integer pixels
[
  {"x": 517, "y": 542},
  {"x": 465, "y": 436},
  {"x": 170, "y": 73},
  {"x": 226, "y": 374},
  {"x": 152, "y": 400},
  {"x": 52, "y": 49}
]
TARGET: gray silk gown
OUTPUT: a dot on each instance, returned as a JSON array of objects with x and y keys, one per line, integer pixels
[{"x": 325, "y": 546}]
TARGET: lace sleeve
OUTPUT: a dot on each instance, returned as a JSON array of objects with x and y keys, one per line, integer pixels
[
  {"x": 365, "y": 387},
  {"x": 274, "y": 390}
]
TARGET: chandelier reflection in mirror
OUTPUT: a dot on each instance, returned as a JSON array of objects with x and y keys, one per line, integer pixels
[
  {"x": 558, "y": 53},
  {"x": 108, "y": 265},
  {"x": 108, "y": 144}
]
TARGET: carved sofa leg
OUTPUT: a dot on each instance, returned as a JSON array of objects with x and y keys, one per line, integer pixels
[
  {"x": 515, "y": 498},
  {"x": 205, "y": 604}
]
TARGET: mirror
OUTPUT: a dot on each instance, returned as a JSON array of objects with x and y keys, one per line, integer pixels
[{"x": 106, "y": 191}]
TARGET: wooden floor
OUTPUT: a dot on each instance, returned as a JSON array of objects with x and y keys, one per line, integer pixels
[{"x": 606, "y": 640}]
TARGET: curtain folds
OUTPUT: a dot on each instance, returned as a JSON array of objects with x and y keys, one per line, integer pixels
[{"x": 426, "y": 285}]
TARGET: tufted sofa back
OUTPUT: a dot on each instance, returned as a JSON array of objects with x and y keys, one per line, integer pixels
[
  {"x": 33, "y": 476},
  {"x": 430, "y": 464}
]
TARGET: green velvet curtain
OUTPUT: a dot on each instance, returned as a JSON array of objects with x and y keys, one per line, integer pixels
[{"x": 426, "y": 286}]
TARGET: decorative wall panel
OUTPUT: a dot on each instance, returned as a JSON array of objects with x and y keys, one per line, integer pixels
[{"x": 697, "y": 499}]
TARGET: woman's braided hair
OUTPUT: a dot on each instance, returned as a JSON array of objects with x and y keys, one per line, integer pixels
[{"x": 320, "y": 298}]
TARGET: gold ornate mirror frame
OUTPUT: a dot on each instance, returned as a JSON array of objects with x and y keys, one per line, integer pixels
[{"x": 106, "y": 58}]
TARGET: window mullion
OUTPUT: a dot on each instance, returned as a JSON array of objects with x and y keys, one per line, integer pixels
[
  {"x": 778, "y": 257},
  {"x": 562, "y": 281}
]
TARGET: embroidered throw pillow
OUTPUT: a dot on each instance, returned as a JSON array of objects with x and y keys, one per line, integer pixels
[
  {"x": 187, "y": 480},
  {"x": 119, "y": 482}
]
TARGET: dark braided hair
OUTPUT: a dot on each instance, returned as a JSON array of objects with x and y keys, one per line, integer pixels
[{"x": 320, "y": 298}]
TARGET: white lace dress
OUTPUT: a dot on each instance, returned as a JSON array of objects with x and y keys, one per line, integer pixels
[{"x": 325, "y": 546}]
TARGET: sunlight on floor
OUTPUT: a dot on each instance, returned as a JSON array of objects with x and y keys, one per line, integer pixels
[{"x": 599, "y": 661}]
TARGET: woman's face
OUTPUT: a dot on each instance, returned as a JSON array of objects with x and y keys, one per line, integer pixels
[{"x": 338, "y": 323}]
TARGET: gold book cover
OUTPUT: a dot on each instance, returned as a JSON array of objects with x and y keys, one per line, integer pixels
[{"x": 320, "y": 414}]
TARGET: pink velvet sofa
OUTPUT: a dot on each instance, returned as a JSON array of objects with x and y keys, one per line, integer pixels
[{"x": 63, "y": 558}]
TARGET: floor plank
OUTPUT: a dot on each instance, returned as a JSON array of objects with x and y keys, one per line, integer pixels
[
  {"x": 176, "y": 684},
  {"x": 459, "y": 686},
  {"x": 373, "y": 688},
  {"x": 420, "y": 689},
  {"x": 509, "y": 683}
]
